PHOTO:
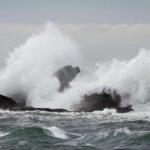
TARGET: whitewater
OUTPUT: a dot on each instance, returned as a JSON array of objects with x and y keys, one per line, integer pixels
[
  {"x": 29, "y": 76},
  {"x": 29, "y": 73}
]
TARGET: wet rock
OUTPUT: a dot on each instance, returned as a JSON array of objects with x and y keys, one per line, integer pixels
[
  {"x": 7, "y": 103},
  {"x": 65, "y": 75},
  {"x": 124, "y": 109},
  {"x": 39, "y": 109},
  {"x": 93, "y": 102},
  {"x": 99, "y": 101}
]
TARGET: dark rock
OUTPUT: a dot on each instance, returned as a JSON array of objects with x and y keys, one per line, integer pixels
[
  {"x": 10, "y": 104},
  {"x": 35, "y": 109},
  {"x": 124, "y": 109},
  {"x": 6, "y": 102},
  {"x": 65, "y": 75},
  {"x": 99, "y": 101},
  {"x": 93, "y": 102}
]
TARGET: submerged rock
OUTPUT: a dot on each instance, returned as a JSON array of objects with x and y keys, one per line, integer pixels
[{"x": 65, "y": 75}]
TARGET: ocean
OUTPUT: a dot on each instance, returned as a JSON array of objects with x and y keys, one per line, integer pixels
[{"x": 99, "y": 130}]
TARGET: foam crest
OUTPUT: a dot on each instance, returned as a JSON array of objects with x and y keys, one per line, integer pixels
[{"x": 57, "y": 132}]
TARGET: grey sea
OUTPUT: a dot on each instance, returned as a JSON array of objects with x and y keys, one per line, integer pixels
[{"x": 103, "y": 130}]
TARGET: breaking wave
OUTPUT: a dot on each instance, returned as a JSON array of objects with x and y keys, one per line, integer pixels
[{"x": 29, "y": 73}]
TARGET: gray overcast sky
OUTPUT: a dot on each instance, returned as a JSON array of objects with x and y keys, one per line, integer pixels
[
  {"x": 126, "y": 29},
  {"x": 75, "y": 11}
]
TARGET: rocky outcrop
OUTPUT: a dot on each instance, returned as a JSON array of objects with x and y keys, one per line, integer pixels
[
  {"x": 96, "y": 101},
  {"x": 65, "y": 75},
  {"x": 105, "y": 99},
  {"x": 19, "y": 108},
  {"x": 7, "y": 103},
  {"x": 17, "y": 103},
  {"x": 89, "y": 103},
  {"x": 124, "y": 109}
]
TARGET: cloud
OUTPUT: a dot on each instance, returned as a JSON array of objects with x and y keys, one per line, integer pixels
[
  {"x": 23, "y": 28},
  {"x": 104, "y": 42}
]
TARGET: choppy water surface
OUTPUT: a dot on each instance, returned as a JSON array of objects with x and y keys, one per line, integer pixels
[{"x": 69, "y": 131}]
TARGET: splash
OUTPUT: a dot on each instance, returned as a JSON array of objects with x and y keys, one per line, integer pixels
[
  {"x": 29, "y": 70},
  {"x": 131, "y": 79}
]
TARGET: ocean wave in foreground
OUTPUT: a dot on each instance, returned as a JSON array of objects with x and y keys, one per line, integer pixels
[{"x": 97, "y": 130}]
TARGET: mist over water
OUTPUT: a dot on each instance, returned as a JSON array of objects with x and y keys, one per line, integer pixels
[{"x": 30, "y": 69}]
